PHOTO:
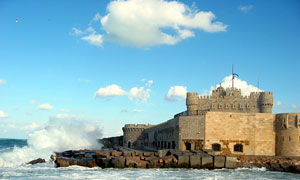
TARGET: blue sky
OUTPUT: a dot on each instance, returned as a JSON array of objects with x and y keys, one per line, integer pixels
[{"x": 110, "y": 63}]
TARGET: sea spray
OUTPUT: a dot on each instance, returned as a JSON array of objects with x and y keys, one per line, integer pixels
[{"x": 56, "y": 135}]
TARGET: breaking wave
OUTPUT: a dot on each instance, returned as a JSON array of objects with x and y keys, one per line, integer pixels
[{"x": 54, "y": 136}]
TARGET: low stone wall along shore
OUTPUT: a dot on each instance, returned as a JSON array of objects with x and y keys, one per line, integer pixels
[{"x": 128, "y": 158}]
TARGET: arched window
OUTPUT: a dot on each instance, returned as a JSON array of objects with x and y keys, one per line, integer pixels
[
  {"x": 216, "y": 147},
  {"x": 238, "y": 148}
]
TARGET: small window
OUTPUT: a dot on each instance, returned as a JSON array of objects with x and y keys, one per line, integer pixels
[
  {"x": 290, "y": 138},
  {"x": 173, "y": 145},
  {"x": 216, "y": 147},
  {"x": 238, "y": 148},
  {"x": 169, "y": 145}
]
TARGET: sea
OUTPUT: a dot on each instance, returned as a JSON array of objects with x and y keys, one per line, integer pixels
[{"x": 13, "y": 166}]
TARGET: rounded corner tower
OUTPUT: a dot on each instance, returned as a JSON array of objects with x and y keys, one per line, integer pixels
[
  {"x": 192, "y": 99},
  {"x": 266, "y": 102}
]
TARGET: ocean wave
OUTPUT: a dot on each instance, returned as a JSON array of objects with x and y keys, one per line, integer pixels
[{"x": 54, "y": 136}]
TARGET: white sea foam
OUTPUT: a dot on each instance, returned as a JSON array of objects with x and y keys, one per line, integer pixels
[{"x": 54, "y": 136}]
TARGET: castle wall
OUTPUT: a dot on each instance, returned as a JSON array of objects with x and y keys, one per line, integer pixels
[
  {"x": 254, "y": 131},
  {"x": 288, "y": 134},
  {"x": 162, "y": 136},
  {"x": 191, "y": 132}
]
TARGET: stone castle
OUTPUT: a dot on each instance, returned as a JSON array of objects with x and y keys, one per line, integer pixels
[{"x": 225, "y": 122}]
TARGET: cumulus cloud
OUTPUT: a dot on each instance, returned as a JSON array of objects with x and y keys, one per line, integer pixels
[
  {"x": 141, "y": 93},
  {"x": 3, "y": 114},
  {"x": 295, "y": 107},
  {"x": 280, "y": 105},
  {"x": 243, "y": 85},
  {"x": 246, "y": 8},
  {"x": 2, "y": 81},
  {"x": 76, "y": 31},
  {"x": 148, "y": 23},
  {"x": 138, "y": 93},
  {"x": 45, "y": 107},
  {"x": 94, "y": 39},
  {"x": 110, "y": 91},
  {"x": 176, "y": 94}
]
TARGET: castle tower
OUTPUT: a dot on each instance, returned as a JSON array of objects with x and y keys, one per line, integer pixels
[
  {"x": 192, "y": 103},
  {"x": 266, "y": 102},
  {"x": 133, "y": 136},
  {"x": 287, "y": 134}
]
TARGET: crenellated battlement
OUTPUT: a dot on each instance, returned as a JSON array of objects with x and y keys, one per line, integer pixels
[{"x": 230, "y": 100}]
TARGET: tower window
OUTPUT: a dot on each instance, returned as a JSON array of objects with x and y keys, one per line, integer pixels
[
  {"x": 216, "y": 147},
  {"x": 238, "y": 148}
]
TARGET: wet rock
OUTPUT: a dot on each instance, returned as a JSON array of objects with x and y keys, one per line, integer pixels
[
  {"x": 104, "y": 162},
  {"x": 118, "y": 162},
  {"x": 87, "y": 163},
  {"x": 36, "y": 161},
  {"x": 62, "y": 162}
]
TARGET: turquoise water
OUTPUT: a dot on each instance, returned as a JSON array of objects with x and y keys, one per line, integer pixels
[{"x": 48, "y": 171}]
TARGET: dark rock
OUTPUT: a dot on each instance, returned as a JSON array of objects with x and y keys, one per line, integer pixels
[
  {"x": 36, "y": 161},
  {"x": 118, "y": 162},
  {"x": 275, "y": 167},
  {"x": 87, "y": 163},
  {"x": 104, "y": 162}
]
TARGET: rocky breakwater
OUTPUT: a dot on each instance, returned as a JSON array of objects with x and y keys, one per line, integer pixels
[{"x": 129, "y": 158}]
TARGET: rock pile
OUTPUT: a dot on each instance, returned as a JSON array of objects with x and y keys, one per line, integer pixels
[{"x": 128, "y": 158}]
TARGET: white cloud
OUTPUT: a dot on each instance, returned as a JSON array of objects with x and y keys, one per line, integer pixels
[
  {"x": 295, "y": 107},
  {"x": 139, "y": 93},
  {"x": 243, "y": 85},
  {"x": 110, "y": 91},
  {"x": 76, "y": 31},
  {"x": 2, "y": 81},
  {"x": 149, "y": 83},
  {"x": 176, "y": 94},
  {"x": 138, "y": 111},
  {"x": 246, "y": 8},
  {"x": 32, "y": 102},
  {"x": 94, "y": 39},
  {"x": 148, "y": 23},
  {"x": 3, "y": 114},
  {"x": 45, "y": 107}
]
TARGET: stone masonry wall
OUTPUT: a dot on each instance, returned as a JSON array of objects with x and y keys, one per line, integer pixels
[
  {"x": 162, "y": 136},
  {"x": 191, "y": 130},
  {"x": 254, "y": 131}
]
